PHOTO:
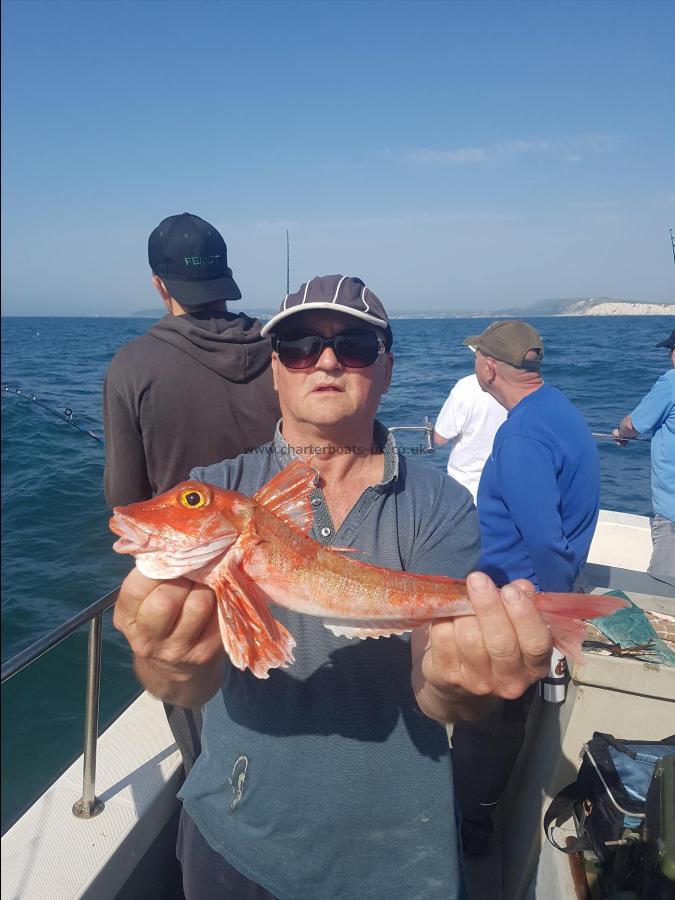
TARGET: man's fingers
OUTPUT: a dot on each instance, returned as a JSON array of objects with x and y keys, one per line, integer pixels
[
  {"x": 501, "y": 641},
  {"x": 159, "y": 611},
  {"x": 524, "y": 585},
  {"x": 458, "y": 653},
  {"x": 194, "y": 616},
  {"x": 420, "y": 641},
  {"x": 534, "y": 637},
  {"x": 500, "y": 650},
  {"x": 133, "y": 591}
]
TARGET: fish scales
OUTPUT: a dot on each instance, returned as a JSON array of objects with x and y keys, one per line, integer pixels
[{"x": 321, "y": 585}]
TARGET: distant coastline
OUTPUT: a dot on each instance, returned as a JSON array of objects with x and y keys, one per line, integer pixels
[
  {"x": 570, "y": 306},
  {"x": 613, "y": 308},
  {"x": 590, "y": 306}
]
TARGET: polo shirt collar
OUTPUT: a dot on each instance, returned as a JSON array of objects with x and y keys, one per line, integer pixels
[{"x": 285, "y": 454}]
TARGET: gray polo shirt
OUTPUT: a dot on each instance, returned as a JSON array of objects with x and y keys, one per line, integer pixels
[{"x": 326, "y": 780}]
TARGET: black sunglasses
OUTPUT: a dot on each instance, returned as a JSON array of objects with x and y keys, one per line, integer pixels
[{"x": 355, "y": 348}]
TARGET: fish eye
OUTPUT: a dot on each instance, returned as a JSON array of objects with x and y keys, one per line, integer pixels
[{"x": 192, "y": 499}]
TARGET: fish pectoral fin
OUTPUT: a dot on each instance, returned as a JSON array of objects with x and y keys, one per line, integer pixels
[
  {"x": 252, "y": 637},
  {"x": 287, "y": 495},
  {"x": 355, "y": 628},
  {"x": 232, "y": 627}
]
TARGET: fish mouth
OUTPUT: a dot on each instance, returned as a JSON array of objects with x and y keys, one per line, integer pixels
[
  {"x": 132, "y": 538},
  {"x": 160, "y": 559}
]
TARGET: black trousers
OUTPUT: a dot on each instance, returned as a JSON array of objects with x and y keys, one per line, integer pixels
[
  {"x": 206, "y": 875},
  {"x": 483, "y": 755}
]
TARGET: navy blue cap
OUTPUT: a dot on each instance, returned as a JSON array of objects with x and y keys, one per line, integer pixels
[
  {"x": 190, "y": 256},
  {"x": 336, "y": 293}
]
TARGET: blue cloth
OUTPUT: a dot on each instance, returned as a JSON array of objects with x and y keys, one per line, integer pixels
[
  {"x": 326, "y": 780},
  {"x": 655, "y": 415},
  {"x": 539, "y": 495}
]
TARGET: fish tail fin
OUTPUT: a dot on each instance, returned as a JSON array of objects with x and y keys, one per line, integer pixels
[
  {"x": 565, "y": 615},
  {"x": 252, "y": 637}
]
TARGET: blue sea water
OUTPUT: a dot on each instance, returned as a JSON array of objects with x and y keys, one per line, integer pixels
[{"x": 57, "y": 555}]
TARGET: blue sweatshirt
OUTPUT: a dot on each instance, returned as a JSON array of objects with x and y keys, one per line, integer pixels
[{"x": 539, "y": 494}]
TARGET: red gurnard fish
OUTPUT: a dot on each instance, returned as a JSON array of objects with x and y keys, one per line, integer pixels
[{"x": 253, "y": 551}]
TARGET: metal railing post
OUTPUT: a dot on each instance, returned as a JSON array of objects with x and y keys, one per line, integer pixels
[
  {"x": 89, "y": 805},
  {"x": 427, "y": 427}
]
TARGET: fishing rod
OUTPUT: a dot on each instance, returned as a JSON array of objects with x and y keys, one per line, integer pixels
[
  {"x": 610, "y": 437},
  {"x": 288, "y": 264},
  {"x": 66, "y": 414}
]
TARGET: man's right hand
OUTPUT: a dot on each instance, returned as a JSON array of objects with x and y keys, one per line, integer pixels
[{"x": 172, "y": 629}]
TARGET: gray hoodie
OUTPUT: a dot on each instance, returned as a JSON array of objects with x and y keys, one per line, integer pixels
[{"x": 194, "y": 390}]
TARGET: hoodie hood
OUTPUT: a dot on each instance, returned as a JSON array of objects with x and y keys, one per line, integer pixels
[{"x": 228, "y": 344}]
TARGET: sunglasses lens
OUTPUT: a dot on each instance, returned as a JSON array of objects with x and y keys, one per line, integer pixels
[
  {"x": 298, "y": 350},
  {"x": 357, "y": 349}
]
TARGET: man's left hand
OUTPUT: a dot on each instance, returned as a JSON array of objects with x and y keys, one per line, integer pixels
[
  {"x": 458, "y": 664},
  {"x": 624, "y": 430}
]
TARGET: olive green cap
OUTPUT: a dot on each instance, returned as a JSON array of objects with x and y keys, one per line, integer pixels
[{"x": 509, "y": 341}]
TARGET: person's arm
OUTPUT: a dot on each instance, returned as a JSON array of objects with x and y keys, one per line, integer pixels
[
  {"x": 650, "y": 413},
  {"x": 125, "y": 479},
  {"x": 655, "y": 407},
  {"x": 172, "y": 629},
  {"x": 449, "y": 423},
  {"x": 460, "y": 665}
]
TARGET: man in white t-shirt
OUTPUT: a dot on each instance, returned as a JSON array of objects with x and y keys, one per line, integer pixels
[{"x": 470, "y": 418}]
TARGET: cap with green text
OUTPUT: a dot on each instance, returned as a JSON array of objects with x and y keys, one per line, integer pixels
[{"x": 509, "y": 341}]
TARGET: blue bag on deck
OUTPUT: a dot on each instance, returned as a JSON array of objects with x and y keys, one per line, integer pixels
[
  {"x": 610, "y": 791},
  {"x": 608, "y": 802}
]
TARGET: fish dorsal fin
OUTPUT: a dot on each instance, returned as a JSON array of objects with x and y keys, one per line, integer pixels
[{"x": 287, "y": 495}]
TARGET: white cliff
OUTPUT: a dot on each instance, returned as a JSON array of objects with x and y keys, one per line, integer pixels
[{"x": 602, "y": 307}]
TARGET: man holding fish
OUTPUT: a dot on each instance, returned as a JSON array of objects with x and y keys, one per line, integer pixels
[{"x": 325, "y": 770}]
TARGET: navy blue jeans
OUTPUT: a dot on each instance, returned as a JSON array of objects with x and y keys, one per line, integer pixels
[
  {"x": 206, "y": 875},
  {"x": 483, "y": 755}
]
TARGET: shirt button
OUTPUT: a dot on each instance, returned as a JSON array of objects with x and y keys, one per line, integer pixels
[
  {"x": 325, "y": 531},
  {"x": 316, "y": 501}
]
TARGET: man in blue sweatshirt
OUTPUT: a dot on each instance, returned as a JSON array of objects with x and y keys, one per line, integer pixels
[
  {"x": 538, "y": 503},
  {"x": 539, "y": 494}
]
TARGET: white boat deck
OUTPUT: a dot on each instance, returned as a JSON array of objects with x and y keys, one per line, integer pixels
[
  {"x": 621, "y": 540},
  {"x": 51, "y": 854}
]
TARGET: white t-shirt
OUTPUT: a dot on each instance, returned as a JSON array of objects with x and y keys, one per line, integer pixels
[{"x": 471, "y": 418}]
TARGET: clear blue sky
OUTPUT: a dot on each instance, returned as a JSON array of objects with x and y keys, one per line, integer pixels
[{"x": 460, "y": 155}]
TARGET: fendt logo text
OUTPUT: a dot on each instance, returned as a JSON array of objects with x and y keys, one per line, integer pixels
[{"x": 201, "y": 260}]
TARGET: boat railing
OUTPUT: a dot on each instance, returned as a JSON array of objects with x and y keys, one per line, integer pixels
[
  {"x": 88, "y": 805},
  {"x": 427, "y": 427}
]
